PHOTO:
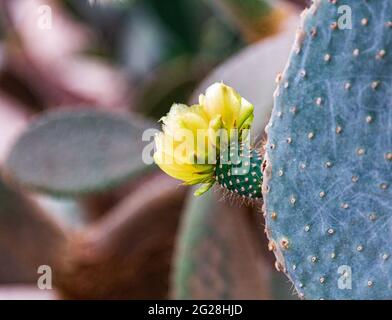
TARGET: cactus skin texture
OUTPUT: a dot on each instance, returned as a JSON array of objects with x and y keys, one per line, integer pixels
[
  {"x": 327, "y": 181},
  {"x": 242, "y": 174}
]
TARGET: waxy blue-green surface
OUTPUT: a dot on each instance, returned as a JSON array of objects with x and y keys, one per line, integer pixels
[{"x": 327, "y": 186}]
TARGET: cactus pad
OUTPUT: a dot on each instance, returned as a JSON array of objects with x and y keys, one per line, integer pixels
[{"x": 327, "y": 183}]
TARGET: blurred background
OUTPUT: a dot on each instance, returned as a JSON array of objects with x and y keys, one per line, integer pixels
[{"x": 80, "y": 81}]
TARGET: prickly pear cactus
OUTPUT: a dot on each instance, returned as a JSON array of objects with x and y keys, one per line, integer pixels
[{"x": 327, "y": 182}]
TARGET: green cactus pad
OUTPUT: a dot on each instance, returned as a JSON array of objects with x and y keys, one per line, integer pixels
[
  {"x": 327, "y": 182},
  {"x": 77, "y": 152},
  {"x": 240, "y": 173}
]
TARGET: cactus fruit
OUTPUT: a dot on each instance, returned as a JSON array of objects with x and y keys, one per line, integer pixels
[
  {"x": 242, "y": 174},
  {"x": 327, "y": 193}
]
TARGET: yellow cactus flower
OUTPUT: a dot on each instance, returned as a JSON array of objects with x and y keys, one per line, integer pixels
[
  {"x": 188, "y": 146},
  {"x": 236, "y": 112},
  {"x": 179, "y": 151}
]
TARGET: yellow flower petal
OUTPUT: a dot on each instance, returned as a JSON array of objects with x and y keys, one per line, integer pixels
[
  {"x": 222, "y": 100},
  {"x": 187, "y": 173},
  {"x": 203, "y": 188},
  {"x": 246, "y": 113}
]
